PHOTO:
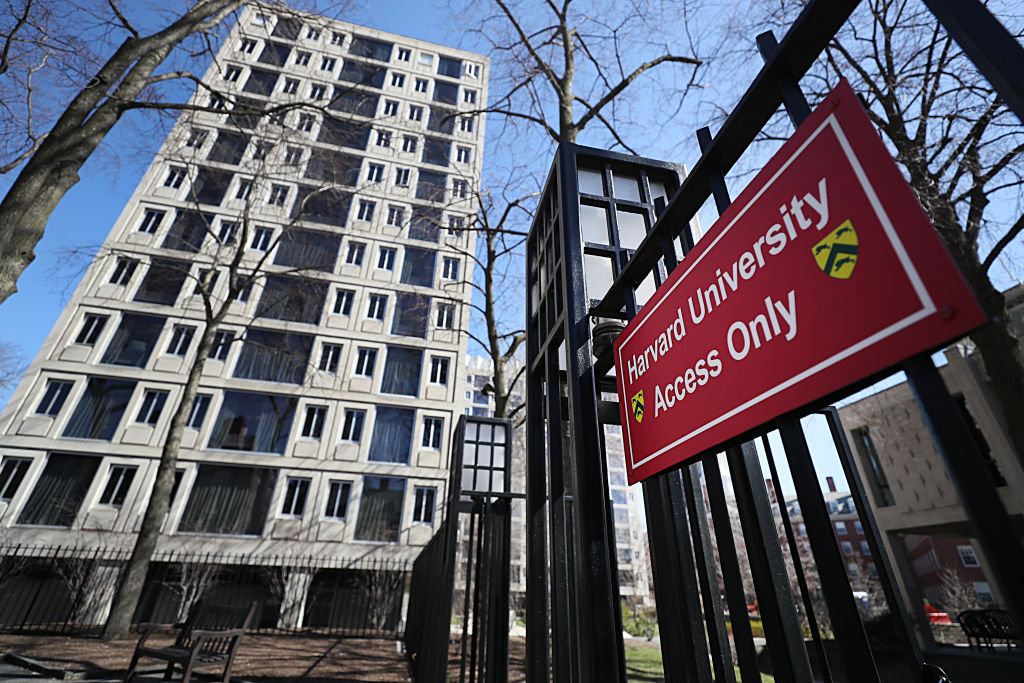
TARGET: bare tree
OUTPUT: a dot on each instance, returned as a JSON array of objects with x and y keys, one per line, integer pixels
[{"x": 12, "y": 365}]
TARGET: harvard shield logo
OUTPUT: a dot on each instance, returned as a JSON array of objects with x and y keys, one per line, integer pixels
[
  {"x": 638, "y": 405},
  {"x": 837, "y": 253}
]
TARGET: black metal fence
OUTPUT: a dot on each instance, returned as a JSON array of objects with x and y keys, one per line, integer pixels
[{"x": 68, "y": 590}]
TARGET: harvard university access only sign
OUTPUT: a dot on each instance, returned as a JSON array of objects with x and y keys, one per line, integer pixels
[{"x": 824, "y": 271}]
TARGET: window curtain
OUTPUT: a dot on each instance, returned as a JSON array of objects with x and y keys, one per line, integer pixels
[
  {"x": 274, "y": 356},
  {"x": 328, "y": 207},
  {"x": 370, "y": 48},
  {"x": 425, "y": 224},
  {"x": 188, "y": 230},
  {"x": 253, "y": 422},
  {"x": 311, "y": 249},
  {"x": 229, "y": 500},
  {"x": 380, "y": 509},
  {"x": 292, "y": 298},
  {"x": 100, "y": 409},
  {"x": 58, "y": 494},
  {"x": 134, "y": 340},
  {"x": 402, "y": 371},
  {"x": 163, "y": 281},
  {"x": 392, "y": 434},
  {"x": 412, "y": 312},
  {"x": 418, "y": 265}
]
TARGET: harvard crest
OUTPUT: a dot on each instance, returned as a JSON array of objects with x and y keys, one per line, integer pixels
[
  {"x": 638, "y": 405},
  {"x": 837, "y": 253}
]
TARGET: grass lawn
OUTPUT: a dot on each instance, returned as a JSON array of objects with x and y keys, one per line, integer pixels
[{"x": 643, "y": 664}]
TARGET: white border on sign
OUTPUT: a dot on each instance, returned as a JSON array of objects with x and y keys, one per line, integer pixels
[{"x": 927, "y": 305}]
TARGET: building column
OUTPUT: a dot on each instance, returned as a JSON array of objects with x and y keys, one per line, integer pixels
[{"x": 297, "y": 581}]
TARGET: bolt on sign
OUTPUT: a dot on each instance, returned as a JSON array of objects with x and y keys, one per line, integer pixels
[{"x": 823, "y": 272}]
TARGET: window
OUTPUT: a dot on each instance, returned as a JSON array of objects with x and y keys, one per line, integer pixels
[
  {"x": 380, "y": 509},
  {"x": 386, "y": 258},
  {"x": 296, "y": 491},
  {"x": 181, "y": 339},
  {"x": 841, "y": 528},
  {"x": 247, "y": 46},
  {"x": 409, "y": 144},
  {"x": 152, "y": 406},
  {"x": 313, "y": 33},
  {"x": 175, "y": 176},
  {"x": 196, "y": 416},
  {"x": 365, "y": 360},
  {"x": 306, "y": 122},
  {"x": 383, "y": 138},
  {"x": 404, "y": 54},
  {"x": 392, "y": 435},
  {"x": 313, "y": 425},
  {"x": 472, "y": 70},
  {"x": 206, "y": 280},
  {"x": 330, "y": 356},
  {"x": 418, "y": 265},
  {"x": 118, "y": 483},
  {"x": 278, "y": 195},
  {"x": 463, "y": 155},
  {"x": 196, "y": 138},
  {"x": 402, "y": 369},
  {"x": 216, "y": 102},
  {"x": 431, "y": 186},
  {"x": 352, "y": 428},
  {"x": 219, "y": 346},
  {"x": 412, "y": 314},
  {"x": 423, "y": 504},
  {"x": 343, "y": 301},
  {"x": 865, "y": 549},
  {"x": 274, "y": 356},
  {"x": 293, "y": 156},
  {"x": 459, "y": 188},
  {"x": 859, "y": 528},
  {"x": 60, "y": 490},
  {"x": 374, "y": 174},
  {"x": 450, "y": 270},
  {"x": 366, "y": 209},
  {"x": 967, "y": 556},
  {"x": 229, "y": 500},
  {"x": 244, "y": 188},
  {"x": 290, "y": 87},
  {"x": 232, "y": 73},
  {"x": 53, "y": 400},
  {"x": 253, "y": 422},
  {"x": 260, "y": 150},
  {"x": 260, "y": 20},
  {"x": 433, "y": 427},
  {"x": 396, "y": 215},
  {"x": 445, "y": 316},
  {"x": 398, "y": 80},
  {"x": 12, "y": 473},
  {"x": 466, "y": 124},
  {"x": 354, "y": 257},
  {"x": 469, "y": 96},
  {"x": 390, "y": 108},
  {"x": 317, "y": 91},
  {"x": 328, "y": 64},
  {"x": 438, "y": 370},
  {"x": 337, "y": 499},
  {"x": 261, "y": 238},
  {"x": 402, "y": 177},
  {"x": 415, "y": 113},
  {"x": 100, "y": 409},
  {"x": 877, "y": 479},
  {"x": 133, "y": 341},
  {"x": 422, "y": 84},
  {"x": 377, "y": 306},
  {"x": 123, "y": 271},
  {"x": 151, "y": 220},
  {"x": 337, "y": 38},
  {"x": 227, "y": 231},
  {"x": 456, "y": 224},
  {"x": 847, "y": 547},
  {"x": 302, "y": 58}
]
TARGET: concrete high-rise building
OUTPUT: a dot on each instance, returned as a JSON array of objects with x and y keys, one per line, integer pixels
[{"x": 339, "y": 165}]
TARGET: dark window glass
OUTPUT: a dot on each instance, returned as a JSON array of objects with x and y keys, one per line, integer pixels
[
  {"x": 445, "y": 92},
  {"x": 392, "y": 434},
  {"x": 441, "y": 120},
  {"x": 337, "y": 499},
  {"x": 369, "y": 75},
  {"x": 229, "y": 500},
  {"x": 274, "y": 356},
  {"x": 118, "y": 483},
  {"x": 333, "y": 167},
  {"x": 350, "y": 101},
  {"x": 100, "y": 409},
  {"x": 287, "y": 28},
  {"x": 326, "y": 206},
  {"x": 352, "y": 134},
  {"x": 152, "y": 406},
  {"x": 370, "y": 48},
  {"x": 253, "y": 422},
  {"x": 228, "y": 148},
  {"x": 200, "y": 404},
  {"x": 436, "y": 151},
  {"x": 260, "y": 82},
  {"x": 12, "y": 473},
  {"x": 60, "y": 490},
  {"x": 431, "y": 186},
  {"x": 308, "y": 249},
  {"x": 188, "y": 230},
  {"x": 423, "y": 504},
  {"x": 402, "y": 371},
  {"x": 210, "y": 186},
  {"x": 412, "y": 311},
  {"x": 246, "y": 113},
  {"x": 295, "y": 493},
  {"x": 53, "y": 399},
  {"x": 292, "y": 298},
  {"x": 275, "y": 54},
  {"x": 425, "y": 224},
  {"x": 866, "y": 446},
  {"x": 449, "y": 66},
  {"x": 380, "y": 509},
  {"x": 163, "y": 281},
  {"x": 134, "y": 340}
]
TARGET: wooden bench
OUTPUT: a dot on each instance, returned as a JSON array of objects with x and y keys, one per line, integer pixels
[
  {"x": 984, "y": 626},
  {"x": 210, "y": 635}
]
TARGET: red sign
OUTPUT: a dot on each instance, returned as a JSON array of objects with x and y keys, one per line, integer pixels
[{"x": 824, "y": 271}]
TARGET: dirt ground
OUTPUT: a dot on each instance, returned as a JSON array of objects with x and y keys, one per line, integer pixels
[{"x": 263, "y": 658}]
